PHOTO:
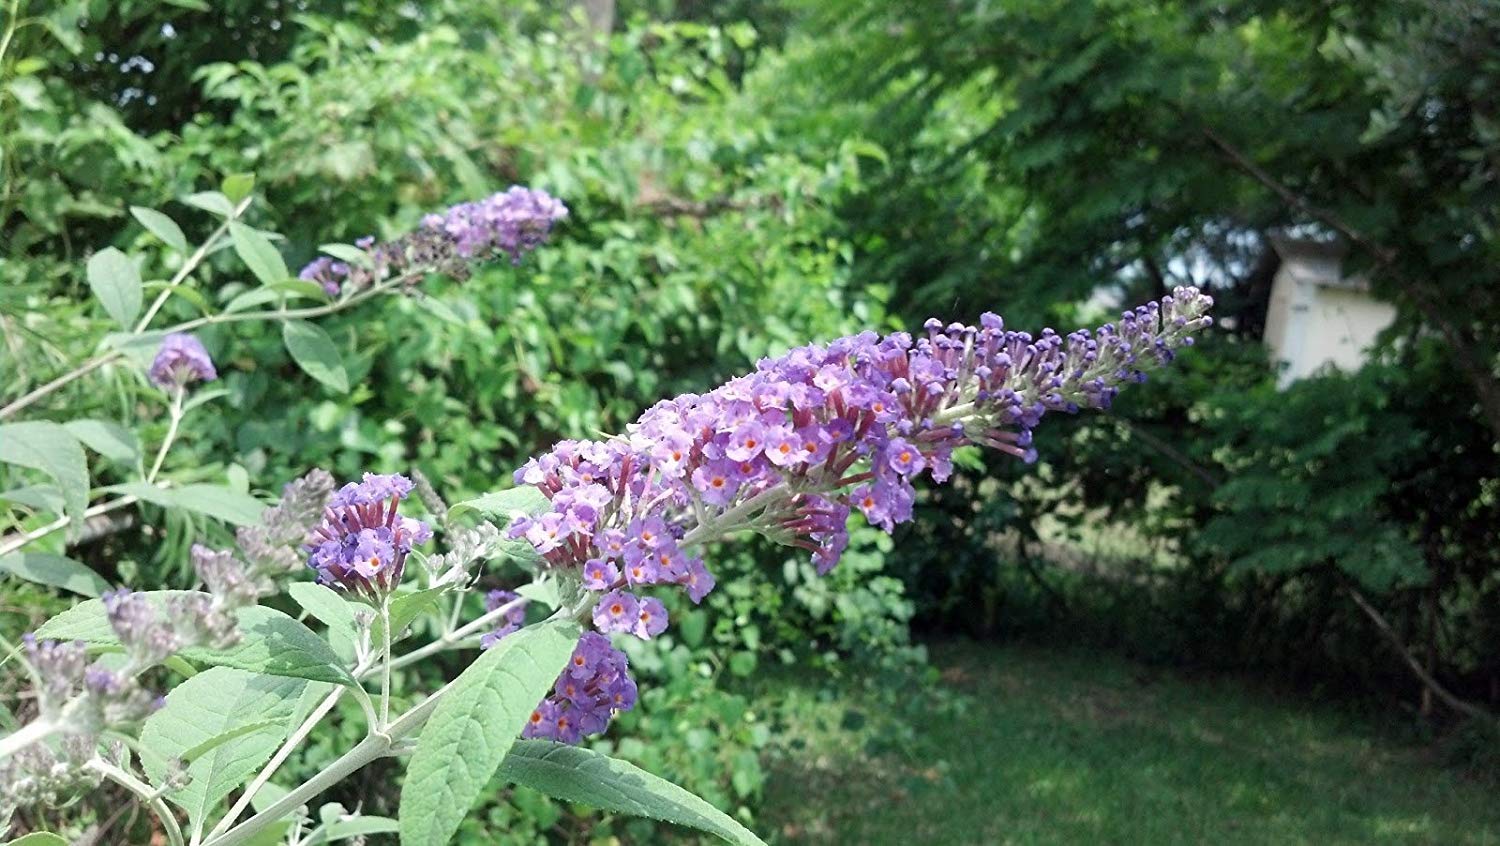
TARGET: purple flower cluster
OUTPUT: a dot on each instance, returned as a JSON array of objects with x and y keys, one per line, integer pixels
[
  {"x": 791, "y": 449},
  {"x": 362, "y": 544},
  {"x": 511, "y": 222},
  {"x": 593, "y": 687},
  {"x": 181, "y": 359},
  {"x": 515, "y": 616}
]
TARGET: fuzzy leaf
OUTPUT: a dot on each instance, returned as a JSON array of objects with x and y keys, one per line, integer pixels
[
  {"x": 609, "y": 784},
  {"x": 50, "y": 448},
  {"x": 212, "y": 500},
  {"x": 315, "y": 353},
  {"x": 116, "y": 282},
  {"x": 474, "y": 726},
  {"x": 333, "y": 611},
  {"x": 58, "y": 571},
  {"x": 107, "y": 438},
  {"x": 162, "y": 227},
  {"x": 226, "y": 723},
  {"x": 258, "y": 253}
]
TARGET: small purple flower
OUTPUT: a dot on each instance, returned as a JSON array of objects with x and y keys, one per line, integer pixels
[
  {"x": 362, "y": 544},
  {"x": 617, "y": 611},
  {"x": 594, "y": 686},
  {"x": 181, "y": 360},
  {"x": 514, "y": 618},
  {"x": 651, "y": 619},
  {"x": 600, "y": 574}
]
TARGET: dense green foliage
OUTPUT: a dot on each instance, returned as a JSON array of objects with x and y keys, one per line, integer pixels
[{"x": 743, "y": 177}]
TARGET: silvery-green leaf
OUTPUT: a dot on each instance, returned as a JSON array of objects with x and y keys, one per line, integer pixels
[
  {"x": 258, "y": 253},
  {"x": 116, "y": 283},
  {"x": 204, "y": 721},
  {"x": 59, "y": 571},
  {"x": 50, "y": 448},
  {"x": 162, "y": 227},
  {"x": 107, "y": 438},
  {"x": 315, "y": 353},
  {"x": 473, "y": 727},
  {"x": 581, "y": 775}
]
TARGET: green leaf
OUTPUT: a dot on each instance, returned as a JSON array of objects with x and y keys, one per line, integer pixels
[
  {"x": 211, "y": 201},
  {"x": 474, "y": 726},
  {"x": 115, "y": 281},
  {"x": 543, "y": 590},
  {"x": 258, "y": 253},
  {"x": 36, "y": 497},
  {"x": 505, "y": 504},
  {"x": 107, "y": 438},
  {"x": 227, "y": 723},
  {"x": 274, "y": 294},
  {"x": 300, "y": 288},
  {"x": 58, "y": 571},
  {"x": 347, "y": 253},
  {"x": 581, "y": 775},
  {"x": 162, "y": 227},
  {"x": 138, "y": 347},
  {"x": 215, "y": 501},
  {"x": 237, "y": 186},
  {"x": 352, "y": 827},
  {"x": 270, "y": 641},
  {"x": 38, "y": 838},
  {"x": 218, "y": 740},
  {"x": 315, "y": 353},
  {"x": 405, "y": 608},
  {"x": 50, "y": 448},
  {"x": 333, "y": 611}
]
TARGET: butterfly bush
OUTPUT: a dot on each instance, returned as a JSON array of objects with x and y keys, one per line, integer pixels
[
  {"x": 790, "y": 451},
  {"x": 511, "y": 223}
]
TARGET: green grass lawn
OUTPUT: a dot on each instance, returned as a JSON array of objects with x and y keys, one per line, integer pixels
[{"x": 1042, "y": 746}]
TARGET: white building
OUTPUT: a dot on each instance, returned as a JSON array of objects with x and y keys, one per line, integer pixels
[{"x": 1319, "y": 317}]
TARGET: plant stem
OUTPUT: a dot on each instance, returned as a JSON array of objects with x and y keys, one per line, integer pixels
[
  {"x": 371, "y": 748},
  {"x": 189, "y": 266},
  {"x": 454, "y": 637},
  {"x": 291, "y": 744},
  {"x": 81, "y": 370},
  {"x": 166, "y": 444},
  {"x": 150, "y": 798},
  {"x": 32, "y": 733},
  {"x": 385, "y": 663},
  {"x": 15, "y": 542},
  {"x": 235, "y": 317}
]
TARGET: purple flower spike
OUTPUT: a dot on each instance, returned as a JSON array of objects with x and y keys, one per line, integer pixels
[
  {"x": 180, "y": 360},
  {"x": 791, "y": 450},
  {"x": 362, "y": 544},
  {"x": 510, "y": 223}
]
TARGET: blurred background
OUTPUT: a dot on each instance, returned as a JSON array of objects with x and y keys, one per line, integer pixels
[{"x": 1258, "y": 602}]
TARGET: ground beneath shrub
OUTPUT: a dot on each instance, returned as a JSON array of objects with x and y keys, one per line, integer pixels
[{"x": 1040, "y": 746}]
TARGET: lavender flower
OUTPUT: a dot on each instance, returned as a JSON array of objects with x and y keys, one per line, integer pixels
[
  {"x": 792, "y": 449},
  {"x": 362, "y": 543},
  {"x": 594, "y": 686},
  {"x": 180, "y": 360},
  {"x": 511, "y": 223},
  {"x": 514, "y": 618}
]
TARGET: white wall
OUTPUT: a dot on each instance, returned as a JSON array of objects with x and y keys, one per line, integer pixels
[{"x": 1317, "y": 318}]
